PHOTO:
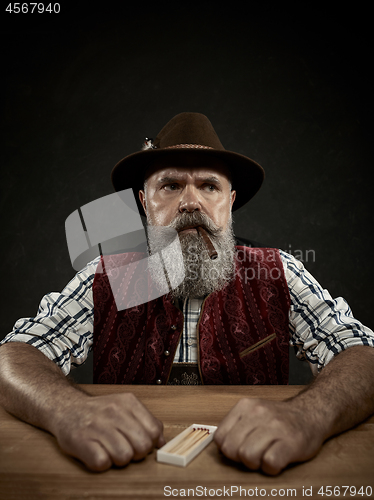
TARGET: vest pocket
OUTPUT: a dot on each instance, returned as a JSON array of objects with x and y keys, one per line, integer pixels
[{"x": 258, "y": 344}]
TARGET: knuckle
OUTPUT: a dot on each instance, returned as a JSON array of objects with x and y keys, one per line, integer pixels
[
  {"x": 243, "y": 404},
  {"x": 260, "y": 410},
  {"x": 144, "y": 446},
  {"x": 228, "y": 450},
  {"x": 124, "y": 457},
  {"x": 248, "y": 460},
  {"x": 130, "y": 398},
  {"x": 250, "y": 403},
  {"x": 272, "y": 464},
  {"x": 155, "y": 429},
  {"x": 111, "y": 409},
  {"x": 99, "y": 461},
  {"x": 243, "y": 453}
]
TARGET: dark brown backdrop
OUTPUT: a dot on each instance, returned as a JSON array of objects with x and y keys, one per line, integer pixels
[{"x": 289, "y": 88}]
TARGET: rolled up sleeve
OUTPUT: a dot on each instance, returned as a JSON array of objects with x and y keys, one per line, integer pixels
[{"x": 320, "y": 326}]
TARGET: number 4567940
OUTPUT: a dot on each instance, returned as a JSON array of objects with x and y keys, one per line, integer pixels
[{"x": 39, "y": 8}]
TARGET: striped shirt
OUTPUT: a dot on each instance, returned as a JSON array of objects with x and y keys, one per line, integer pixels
[{"x": 320, "y": 326}]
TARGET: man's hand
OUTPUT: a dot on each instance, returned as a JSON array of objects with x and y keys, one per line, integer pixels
[
  {"x": 268, "y": 435},
  {"x": 99, "y": 431},
  {"x": 108, "y": 430},
  {"x": 271, "y": 434}
]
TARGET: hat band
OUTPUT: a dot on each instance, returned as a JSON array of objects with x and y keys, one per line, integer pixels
[{"x": 188, "y": 146}]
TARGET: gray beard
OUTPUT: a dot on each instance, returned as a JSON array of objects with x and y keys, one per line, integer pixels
[{"x": 203, "y": 276}]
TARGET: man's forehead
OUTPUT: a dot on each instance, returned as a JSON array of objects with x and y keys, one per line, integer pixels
[{"x": 215, "y": 170}]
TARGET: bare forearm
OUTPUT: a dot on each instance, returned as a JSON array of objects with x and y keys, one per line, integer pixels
[
  {"x": 342, "y": 395},
  {"x": 99, "y": 431},
  {"x": 32, "y": 387},
  {"x": 272, "y": 434}
]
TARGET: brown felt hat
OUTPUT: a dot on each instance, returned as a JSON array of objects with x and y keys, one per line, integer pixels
[{"x": 189, "y": 135}]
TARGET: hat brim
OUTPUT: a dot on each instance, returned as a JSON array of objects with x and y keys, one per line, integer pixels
[{"x": 247, "y": 176}]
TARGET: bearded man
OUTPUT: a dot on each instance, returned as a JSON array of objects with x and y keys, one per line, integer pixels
[{"x": 228, "y": 321}]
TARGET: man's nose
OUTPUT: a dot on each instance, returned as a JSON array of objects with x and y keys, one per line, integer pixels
[{"x": 190, "y": 201}]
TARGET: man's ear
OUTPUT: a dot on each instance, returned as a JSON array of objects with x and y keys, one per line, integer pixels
[
  {"x": 142, "y": 201},
  {"x": 233, "y": 196}
]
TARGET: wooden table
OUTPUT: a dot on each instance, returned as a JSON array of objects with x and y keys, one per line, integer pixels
[{"x": 32, "y": 466}]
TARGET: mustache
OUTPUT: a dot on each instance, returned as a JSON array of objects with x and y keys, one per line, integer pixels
[{"x": 194, "y": 219}]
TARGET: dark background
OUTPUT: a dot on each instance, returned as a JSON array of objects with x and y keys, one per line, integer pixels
[{"x": 289, "y": 88}]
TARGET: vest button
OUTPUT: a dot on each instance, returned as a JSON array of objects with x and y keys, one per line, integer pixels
[
  {"x": 167, "y": 353},
  {"x": 173, "y": 327},
  {"x": 158, "y": 382}
]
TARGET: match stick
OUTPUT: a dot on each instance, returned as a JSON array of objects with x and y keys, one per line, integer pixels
[
  {"x": 192, "y": 441},
  {"x": 192, "y": 438},
  {"x": 211, "y": 250},
  {"x": 191, "y": 445},
  {"x": 183, "y": 440},
  {"x": 189, "y": 441}
]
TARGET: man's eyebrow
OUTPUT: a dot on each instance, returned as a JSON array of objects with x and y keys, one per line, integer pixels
[
  {"x": 211, "y": 179},
  {"x": 164, "y": 180}
]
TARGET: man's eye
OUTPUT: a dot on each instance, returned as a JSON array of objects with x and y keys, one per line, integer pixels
[
  {"x": 210, "y": 187},
  {"x": 171, "y": 187}
]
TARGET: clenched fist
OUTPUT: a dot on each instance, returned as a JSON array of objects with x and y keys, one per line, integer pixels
[
  {"x": 108, "y": 430},
  {"x": 268, "y": 435}
]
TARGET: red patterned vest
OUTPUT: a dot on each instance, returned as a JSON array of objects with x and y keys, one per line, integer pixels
[{"x": 243, "y": 329}]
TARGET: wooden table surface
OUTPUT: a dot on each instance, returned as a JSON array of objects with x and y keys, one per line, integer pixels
[{"x": 32, "y": 466}]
